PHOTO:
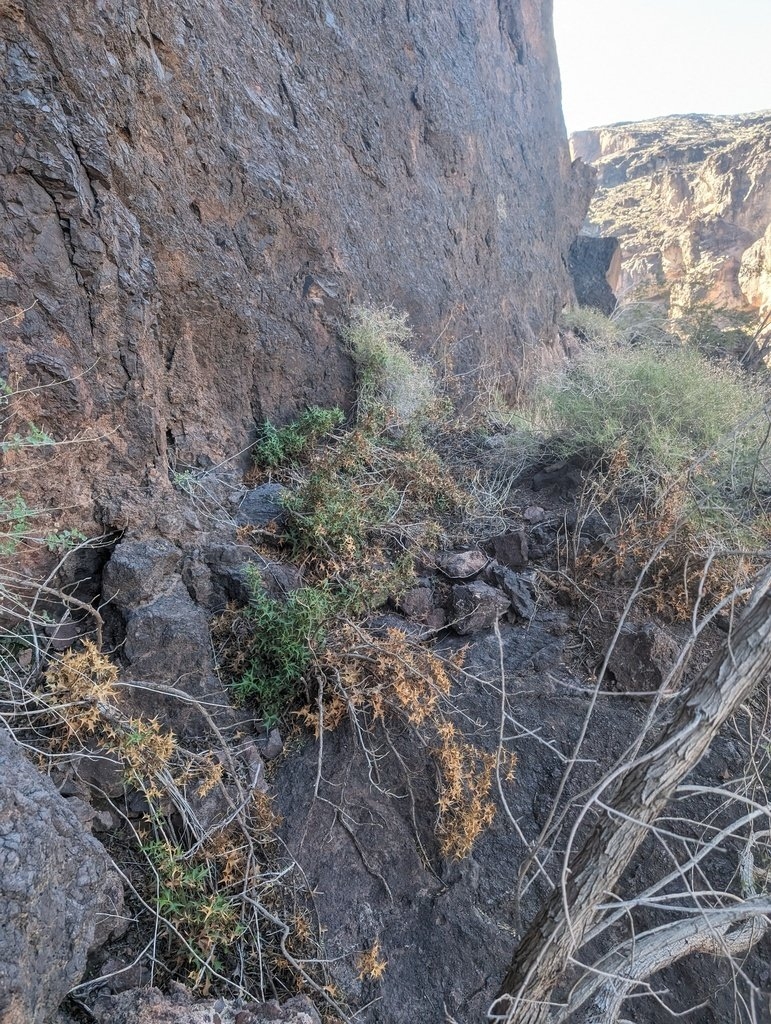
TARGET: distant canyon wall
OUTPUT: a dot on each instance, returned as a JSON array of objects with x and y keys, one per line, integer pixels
[
  {"x": 193, "y": 194},
  {"x": 689, "y": 198}
]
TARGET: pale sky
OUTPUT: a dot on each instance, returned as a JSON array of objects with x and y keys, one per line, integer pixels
[{"x": 627, "y": 60}]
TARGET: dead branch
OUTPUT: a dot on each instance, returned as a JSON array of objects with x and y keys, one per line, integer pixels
[{"x": 642, "y": 791}]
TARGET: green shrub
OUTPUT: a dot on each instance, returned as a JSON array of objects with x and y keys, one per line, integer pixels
[
  {"x": 394, "y": 387},
  {"x": 34, "y": 438},
  {"x": 681, "y": 462},
  {"x": 186, "y": 896},
  {"x": 681, "y": 443},
  {"x": 362, "y": 489},
  {"x": 281, "y": 445},
  {"x": 591, "y": 325},
  {"x": 664, "y": 407},
  {"x": 15, "y": 519},
  {"x": 330, "y": 514},
  {"x": 64, "y": 540},
  {"x": 284, "y": 634}
]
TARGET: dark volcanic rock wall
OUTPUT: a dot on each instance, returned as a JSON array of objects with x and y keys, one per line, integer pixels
[{"x": 193, "y": 192}]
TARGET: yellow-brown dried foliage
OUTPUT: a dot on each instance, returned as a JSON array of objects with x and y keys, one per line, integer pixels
[
  {"x": 682, "y": 572},
  {"x": 702, "y": 552},
  {"x": 82, "y": 684},
  {"x": 377, "y": 679},
  {"x": 466, "y": 775},
  {"x": 204, "y": 895},
  {"x": 85, "y": 700},
  {"x": 371, "y": 964},
  {"x": 379, "y": 676},
  {"x": 194, "y": 884},
  {"x": 266, "y": 818}
]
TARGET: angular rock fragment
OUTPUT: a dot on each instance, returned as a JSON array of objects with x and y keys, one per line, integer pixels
[
  {"x": 138, "y": 570},
  {"x": 462, "y": 565},
  {"x": 262, "y": 505},
  {"x": 641, "y": 658},
  {"x": 534, "y": 514},
  {"x": 519, "y": 590},
  {"x": 477, "y": 606},
  {"x": 419, "y": 605},
  {"x": 543, "y": 539},
  {"x": 510, "y": 548},
  {"x": 271, "y": 746}
]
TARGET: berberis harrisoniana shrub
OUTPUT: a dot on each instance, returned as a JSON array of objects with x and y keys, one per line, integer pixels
[
  {"x": 283, "y": 636},
  {"x": 280, "y": 445},
  {"x": 676, "y": 448}
]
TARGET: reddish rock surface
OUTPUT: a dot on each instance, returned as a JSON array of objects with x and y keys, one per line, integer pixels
[{"x": 192, "y": 195}]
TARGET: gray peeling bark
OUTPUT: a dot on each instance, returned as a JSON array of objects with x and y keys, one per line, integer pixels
[
  {"x": 726, "y": 932},
  {"x": 558, "y": 930}
]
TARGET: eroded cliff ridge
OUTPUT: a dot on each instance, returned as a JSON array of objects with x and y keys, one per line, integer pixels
[
  {"x": 193, "y": 193},
  {"x": 689, "y": 198}
]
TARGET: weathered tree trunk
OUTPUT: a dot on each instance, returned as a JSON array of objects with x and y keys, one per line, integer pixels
[
  {"x": 643, "y": 792},
  {"x": 729, "y": 932}
]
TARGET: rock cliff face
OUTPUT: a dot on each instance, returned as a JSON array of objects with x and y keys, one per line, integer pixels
[
  {"x": 193, "y": 193},
  {"x": 690, "y": 200}
]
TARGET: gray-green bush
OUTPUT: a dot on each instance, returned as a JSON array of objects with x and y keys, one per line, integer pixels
[
  {"x": 394, "y": 387},
  {"x": 664, "y": 406}
]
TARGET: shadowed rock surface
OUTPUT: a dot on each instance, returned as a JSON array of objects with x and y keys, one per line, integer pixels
[
  {"x": 448, "y": 929},
  {"x": 152, "y": 1007},
  {"x": 595, "y": 264},
  {"x": 60, "y": 897},
  {"x": 193, "y": 194}
]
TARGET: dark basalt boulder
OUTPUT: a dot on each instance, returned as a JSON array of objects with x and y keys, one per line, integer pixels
[
  {"x": 595, "y": 266},
  {"x": 60, "y": 898}
]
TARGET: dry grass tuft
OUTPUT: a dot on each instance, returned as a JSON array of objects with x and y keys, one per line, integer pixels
[{"x": 371, "y": 963}]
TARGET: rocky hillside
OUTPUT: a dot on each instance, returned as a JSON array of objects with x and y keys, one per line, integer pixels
[
  {"x": 689, "y": 198},
  {"x": 337, "y": 737},
  {"x": 193, "y": 193},
  {"x": 307, "y": 710}
]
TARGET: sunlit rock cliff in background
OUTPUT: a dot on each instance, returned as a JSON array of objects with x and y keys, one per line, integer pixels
[{"x": 689, "y": 198}]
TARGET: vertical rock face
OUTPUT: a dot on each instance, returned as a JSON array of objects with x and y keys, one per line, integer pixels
[
  {"x": 755, "y": 273},
  {"x": 689, "y": 198},
  {"x": 193, "y": 192}
]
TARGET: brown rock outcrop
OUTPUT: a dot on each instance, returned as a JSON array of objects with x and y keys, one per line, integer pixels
[
  {"x": 755, "y": 273},
  {"x": 689, "y": 198},
  {"x": 193, "y": 193}
]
